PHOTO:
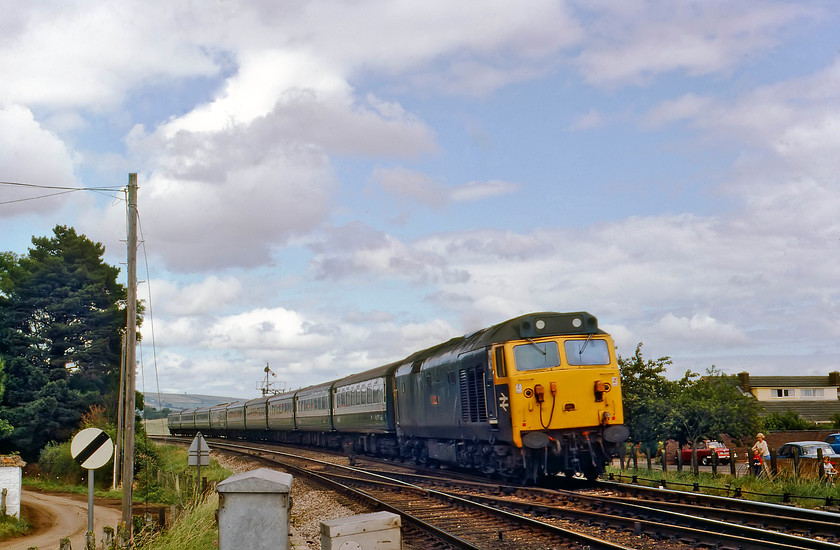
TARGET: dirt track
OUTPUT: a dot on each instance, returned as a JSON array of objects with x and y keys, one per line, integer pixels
[{"x": 55, "y": 517}]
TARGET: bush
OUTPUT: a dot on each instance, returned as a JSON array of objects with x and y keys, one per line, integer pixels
[
  {"x": 56, "y": 463},
  {"x": 788, "y": 420},
  {"x": 10, "y": 526}
]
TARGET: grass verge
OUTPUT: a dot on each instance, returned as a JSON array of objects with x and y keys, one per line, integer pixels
[
  {"x": 11, "y": 526},
  {"x": 807, "y": 493},
  {"x": 195, "y": 529}
]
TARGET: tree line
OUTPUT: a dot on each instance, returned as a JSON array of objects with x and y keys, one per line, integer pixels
[{"x": 692, "y": 408}]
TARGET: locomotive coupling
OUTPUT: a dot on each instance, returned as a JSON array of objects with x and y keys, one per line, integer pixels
[{"x": 601, "y": 388}]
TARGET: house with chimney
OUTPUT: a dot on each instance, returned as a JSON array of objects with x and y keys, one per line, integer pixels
[{"x": 814, "y": 398}]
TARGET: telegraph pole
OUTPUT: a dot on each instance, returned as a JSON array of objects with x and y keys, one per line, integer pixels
[
  {"x": 118, "y": 444},
  {"x": 130, "y": 355}
]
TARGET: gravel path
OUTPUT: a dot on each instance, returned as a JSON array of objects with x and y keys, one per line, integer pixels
[
  {"x": 56, "y": 516},
  {"x": 310, "y": 505}
]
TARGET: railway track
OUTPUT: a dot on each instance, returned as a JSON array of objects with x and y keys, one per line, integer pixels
[{"x": 464, "y": 513}]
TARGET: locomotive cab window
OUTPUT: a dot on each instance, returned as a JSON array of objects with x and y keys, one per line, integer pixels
[
  {"x": 587, "y": 352},
  {"x": 501, "y": 368},
  {"x": 536, "y": 355}
]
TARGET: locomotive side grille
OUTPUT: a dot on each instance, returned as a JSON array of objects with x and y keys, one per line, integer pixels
[{"x": 473, "y": 405}]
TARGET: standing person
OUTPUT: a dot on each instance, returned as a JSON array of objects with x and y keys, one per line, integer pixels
[
  {"x": 829, "y": 469},
  {"x": 761, "y": 449},
  {"x": 757, "y": 463}
]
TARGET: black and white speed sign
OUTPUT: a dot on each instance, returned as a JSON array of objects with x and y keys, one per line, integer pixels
[{"x": 91, "y": 448}]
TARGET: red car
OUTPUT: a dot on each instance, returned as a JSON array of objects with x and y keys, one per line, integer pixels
[{"x": 705, "y": 450}]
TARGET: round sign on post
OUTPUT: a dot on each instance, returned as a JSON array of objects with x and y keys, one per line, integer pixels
[{"x": 91, "y": 448}]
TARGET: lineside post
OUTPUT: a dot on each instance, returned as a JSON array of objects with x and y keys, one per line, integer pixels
[{"x": 130, "y": 356}]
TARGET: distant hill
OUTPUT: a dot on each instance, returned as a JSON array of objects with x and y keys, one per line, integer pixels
[{"x": 179, "y": 401}]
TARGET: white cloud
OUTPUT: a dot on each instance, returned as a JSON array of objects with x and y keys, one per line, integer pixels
[
  {"x": 262, "y": 329},
  {"x": 415, "y": 187},
  {"x": 89, "y": 54},
  {"x": 211, "y": 294},
  {"x": 700, "y": 327},
  {"x": 479, "y": 190},
  {"x": 32, "y": 155},
  {"x": 411, "y": 186},
  {"x": 634, "y": 42}
]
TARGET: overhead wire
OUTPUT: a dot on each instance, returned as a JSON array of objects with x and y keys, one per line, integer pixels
[
  {"x": 169, "y": 466},
  {"x": 62, "y": 190}
]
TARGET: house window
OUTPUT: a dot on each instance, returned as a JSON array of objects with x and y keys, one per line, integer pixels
[
  {"x": 783, "y": 393},
  {"x": 814, "y": 392}
]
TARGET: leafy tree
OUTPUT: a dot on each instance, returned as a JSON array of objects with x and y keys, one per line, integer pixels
[
  {"x": 711, "y": 405},
  {"x": 5, "y": 427},
  {"x": 647, "y": 396},
  {"x": 835, "y": 420},
  {"x": 60, "y": 327}
]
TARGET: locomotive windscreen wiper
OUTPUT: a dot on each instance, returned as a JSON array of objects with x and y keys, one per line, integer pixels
[
  {"x": 583, "y": 347},
  {"x": 539, "y": 349}
]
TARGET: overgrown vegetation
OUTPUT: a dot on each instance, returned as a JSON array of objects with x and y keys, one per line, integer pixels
[
  {"x": 11, "y": 526},
  {"x": 60, "y": 472},
  {"x": 195, "y": 529}
]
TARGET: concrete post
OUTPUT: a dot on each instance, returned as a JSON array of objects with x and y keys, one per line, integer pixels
[
  {"x": 254, "y": 510},
  {"x": 377, "y": 531},
  {"x": 108, "y": 540}
]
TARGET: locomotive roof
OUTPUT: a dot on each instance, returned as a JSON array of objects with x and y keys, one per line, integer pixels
[{"x": 532, "y": 325}]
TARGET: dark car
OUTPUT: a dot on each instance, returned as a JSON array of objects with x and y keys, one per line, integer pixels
[
  {"x": 806, "y": 449},
  {"x": 834, "y": 441}
]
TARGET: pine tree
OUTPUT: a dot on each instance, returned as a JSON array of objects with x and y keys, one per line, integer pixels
[{"x": 61, "y": 319}]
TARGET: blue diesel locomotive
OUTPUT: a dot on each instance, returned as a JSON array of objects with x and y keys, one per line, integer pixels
[{"x": 530, "y": 397}]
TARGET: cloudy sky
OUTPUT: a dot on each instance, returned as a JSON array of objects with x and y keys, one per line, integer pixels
[{"x": 327, "y": 186}]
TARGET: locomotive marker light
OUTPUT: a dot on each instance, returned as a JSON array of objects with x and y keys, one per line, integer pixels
[{"x": 92, "y": 449}]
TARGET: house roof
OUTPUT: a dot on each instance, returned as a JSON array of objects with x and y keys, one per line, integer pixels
[
  {"x": 790, "y": 382},
  {"x": 813, "y": 411},
  {"x": 11, "y": 460}
]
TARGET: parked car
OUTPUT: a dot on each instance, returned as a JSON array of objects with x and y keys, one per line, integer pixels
[
  {"x": 834, "y": 441},
  {"x": 705, "y": 450},
  {"x": 806, "y": 449}
]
